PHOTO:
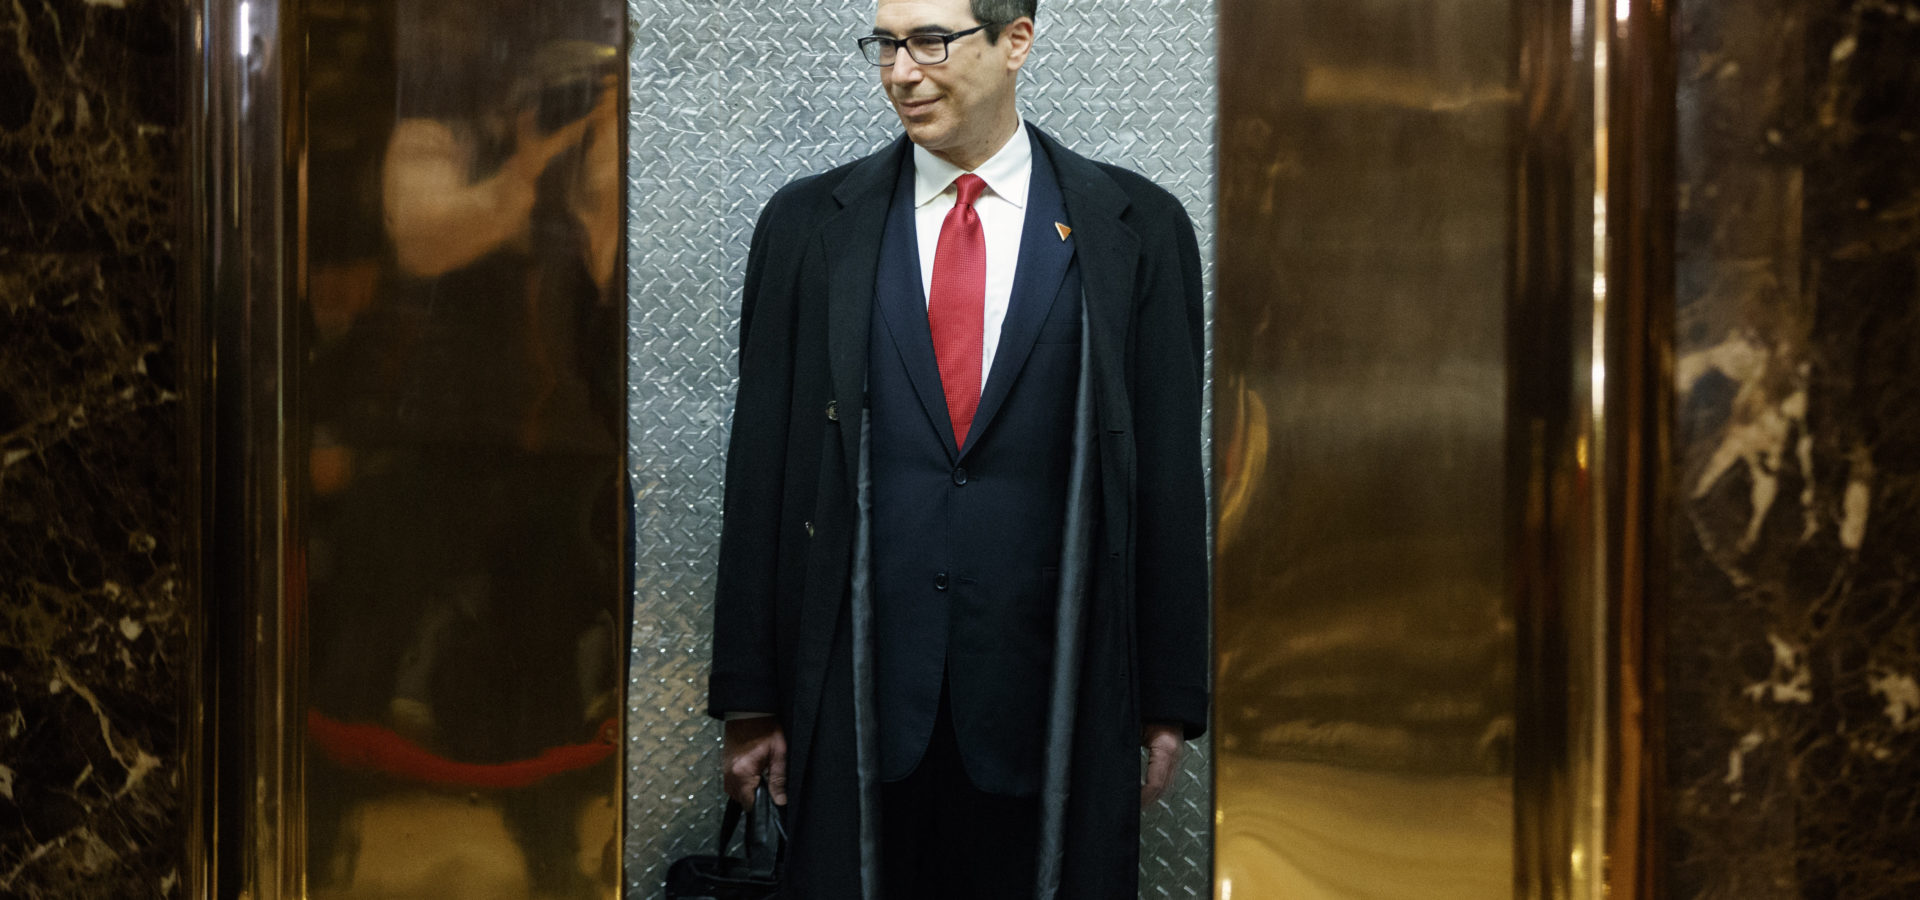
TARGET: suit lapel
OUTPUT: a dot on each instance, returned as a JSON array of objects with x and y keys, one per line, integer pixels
[
  {"x": 1044, "y": 256},
  {"x": 1109, "y": 253},
  {"x": 850, "y": 242},
  {"x": 903, "y": 310}
]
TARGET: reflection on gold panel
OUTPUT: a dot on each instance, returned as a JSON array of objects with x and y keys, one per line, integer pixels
[
  {"x": 418, "y": 504},
  {"x": 426, "y": 844},
  {"x": 1365, "y": 641},
  {"x": 463, "y": 417}
]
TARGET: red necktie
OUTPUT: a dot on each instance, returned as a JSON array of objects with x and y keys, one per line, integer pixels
[{"x": 956, "y": 307}]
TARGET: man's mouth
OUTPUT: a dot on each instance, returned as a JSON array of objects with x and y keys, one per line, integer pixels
[{"x": 914, "y": 106}]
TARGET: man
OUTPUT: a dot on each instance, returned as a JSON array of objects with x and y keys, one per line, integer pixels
[{"x": 917, "y": 329}]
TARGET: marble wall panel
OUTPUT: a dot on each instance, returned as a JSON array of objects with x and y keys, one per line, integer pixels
[
  {"x": 91, "y": 609},
  {"x": 1794, "y": 669}
]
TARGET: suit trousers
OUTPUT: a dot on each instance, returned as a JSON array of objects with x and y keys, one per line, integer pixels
[{"x": 944, "y": 839}]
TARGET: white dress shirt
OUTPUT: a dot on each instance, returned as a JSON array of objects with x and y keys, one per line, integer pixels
[{"x": 1003, "y": 213}]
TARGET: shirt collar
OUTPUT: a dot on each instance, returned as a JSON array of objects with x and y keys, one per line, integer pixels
[{"x": 1007, "y": 173}]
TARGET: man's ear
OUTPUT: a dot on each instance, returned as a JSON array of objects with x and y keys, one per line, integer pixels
[{"x": 1019, "y": 37}]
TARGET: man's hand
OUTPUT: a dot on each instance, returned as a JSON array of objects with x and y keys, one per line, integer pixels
[
  {"x": 1164, "y": 746},
  {"x": 754, "y": 747}
]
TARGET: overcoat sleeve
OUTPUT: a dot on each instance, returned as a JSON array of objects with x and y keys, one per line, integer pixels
[
  {"x": 744, "y": 656},
  {"x": 1170, "y": 555}
]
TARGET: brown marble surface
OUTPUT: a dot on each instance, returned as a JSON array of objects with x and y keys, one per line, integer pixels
[
  {"x": 91, "y": 606},
  {"x": 1794, "y": 669}
]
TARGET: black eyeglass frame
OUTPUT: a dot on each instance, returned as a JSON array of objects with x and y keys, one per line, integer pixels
[{"x": 896, "y": 44}]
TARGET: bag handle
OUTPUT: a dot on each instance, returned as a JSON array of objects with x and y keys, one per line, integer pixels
[
  {"x": 765, "y": 839},
  {"x": 729, "y": 820}
]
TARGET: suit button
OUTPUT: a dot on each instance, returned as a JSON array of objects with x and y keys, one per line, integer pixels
[
  {"x": 940, "y": 582},
  {"x": 960, "y": 475},
  {"x": 833, "y": 411},
  {"x": 809, "y": 527}
]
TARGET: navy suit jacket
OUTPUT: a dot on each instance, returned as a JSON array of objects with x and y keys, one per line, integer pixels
[{"x": 966, "y": 539}]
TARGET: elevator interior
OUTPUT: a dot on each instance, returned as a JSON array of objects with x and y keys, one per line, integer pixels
[{"x": 474, "y": 366}]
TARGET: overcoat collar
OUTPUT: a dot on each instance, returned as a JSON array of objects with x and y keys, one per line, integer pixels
[{"x": 850, "y": 241}]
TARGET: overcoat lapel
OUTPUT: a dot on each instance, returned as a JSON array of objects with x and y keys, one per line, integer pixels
[
  {"x": 1081, "y": 770},
  {"x": 850, "y": 241}
]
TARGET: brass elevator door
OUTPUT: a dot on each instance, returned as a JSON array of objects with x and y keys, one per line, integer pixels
[
  {"x": 460, "y": 442},
  {"x": 1364, "y": 640}
]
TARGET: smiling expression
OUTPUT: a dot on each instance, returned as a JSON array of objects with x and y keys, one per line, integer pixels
[{"x": 961, "y": 110}]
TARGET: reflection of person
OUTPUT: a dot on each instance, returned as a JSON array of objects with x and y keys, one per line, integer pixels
[
  {"x": 942, "y": 281},
  {"x": 441, "y": 216},
  {"x": 466, "y": 459}
]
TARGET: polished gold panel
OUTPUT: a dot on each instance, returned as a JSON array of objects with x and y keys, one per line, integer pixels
[
  {"x": 411, "y": 219},
  {"x": 1365, "y": 639},
  {"x": 1436, "y": 507},
  {"x": 460, "y": 449}
]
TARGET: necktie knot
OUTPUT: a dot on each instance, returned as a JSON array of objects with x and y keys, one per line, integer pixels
[{"x": 970, "y": 186}]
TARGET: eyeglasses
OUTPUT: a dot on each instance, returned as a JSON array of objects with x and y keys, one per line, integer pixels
[{"x": 926, "y": 49}]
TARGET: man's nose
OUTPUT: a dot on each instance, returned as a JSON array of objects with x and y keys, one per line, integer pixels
[{"x": 904, "y": 68}]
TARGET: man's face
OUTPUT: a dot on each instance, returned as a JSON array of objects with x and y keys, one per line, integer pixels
[{"x": 963, "y": 108}]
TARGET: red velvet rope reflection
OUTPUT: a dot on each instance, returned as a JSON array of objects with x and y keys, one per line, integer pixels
[{"x": 376, "y": 748}]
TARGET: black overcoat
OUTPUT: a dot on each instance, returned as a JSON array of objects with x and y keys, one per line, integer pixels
[{"x": 782, "y": 631}]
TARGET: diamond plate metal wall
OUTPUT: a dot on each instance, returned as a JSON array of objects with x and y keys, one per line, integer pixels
[{"x": 731, "y": 100}]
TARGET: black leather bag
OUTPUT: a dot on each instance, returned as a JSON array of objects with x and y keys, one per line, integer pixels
[{"x": 723, "y": 877}]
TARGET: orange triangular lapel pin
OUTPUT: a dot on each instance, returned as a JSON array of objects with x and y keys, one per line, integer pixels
[{"x": 1063, "y": 229}]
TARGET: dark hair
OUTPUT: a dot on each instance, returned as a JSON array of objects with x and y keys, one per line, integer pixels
[{"x": 997, "y": 13}]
